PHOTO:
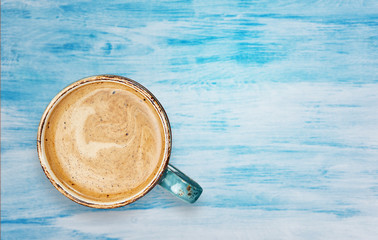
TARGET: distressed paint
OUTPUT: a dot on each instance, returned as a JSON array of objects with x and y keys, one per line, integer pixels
[{"x": 273, "y": 108}]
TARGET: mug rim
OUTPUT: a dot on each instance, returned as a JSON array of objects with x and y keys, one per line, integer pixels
[{"x": 105, "y": 78}]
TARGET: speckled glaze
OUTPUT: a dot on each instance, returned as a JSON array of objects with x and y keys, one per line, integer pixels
[
  {"x": 167, "y": 176},
  {"x": 180, "y": 185}
]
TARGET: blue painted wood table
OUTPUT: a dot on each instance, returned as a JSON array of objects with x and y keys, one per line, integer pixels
[{"x": 273, "y": 107}]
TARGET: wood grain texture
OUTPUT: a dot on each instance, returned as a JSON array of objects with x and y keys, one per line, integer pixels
[{"x": 273, "y": 107}]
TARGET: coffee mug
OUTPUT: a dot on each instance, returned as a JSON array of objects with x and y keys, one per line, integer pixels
[{"x": 105, "y": 141}]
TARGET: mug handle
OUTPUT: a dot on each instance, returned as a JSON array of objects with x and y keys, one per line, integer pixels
[{"x": 180, "y": 185}]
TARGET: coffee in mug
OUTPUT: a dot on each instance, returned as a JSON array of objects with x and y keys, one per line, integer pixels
[{"x": 105, "y": 141}]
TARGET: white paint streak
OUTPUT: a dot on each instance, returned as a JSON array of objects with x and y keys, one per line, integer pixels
[{"x": 219, "y": 223}]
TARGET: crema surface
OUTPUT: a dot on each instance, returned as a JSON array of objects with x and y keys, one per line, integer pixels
[{"x": 105, "y": 141}]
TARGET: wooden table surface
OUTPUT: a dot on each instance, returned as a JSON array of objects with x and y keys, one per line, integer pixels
[{"x": 273, "y": 107}]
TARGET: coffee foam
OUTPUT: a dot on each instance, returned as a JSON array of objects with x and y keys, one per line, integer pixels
[{"x": 104, "y": 141}]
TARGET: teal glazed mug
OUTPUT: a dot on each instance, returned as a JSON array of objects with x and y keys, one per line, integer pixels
[{"x": 105, "y": 141}]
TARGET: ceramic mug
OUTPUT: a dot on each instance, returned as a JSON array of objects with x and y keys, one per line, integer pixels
[{"x": 78, "y": 176}]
